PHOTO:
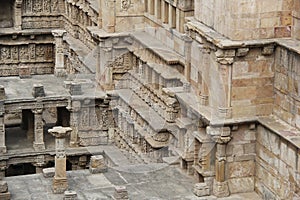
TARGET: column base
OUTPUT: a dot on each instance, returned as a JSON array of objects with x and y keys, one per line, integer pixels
[
  {"x": 60, "y": 185},
  {"x": 3, "y": 149},
  {"x": 225, "y": 113},
  {"x": 73, "y": 144},
  {"x": 203, "y": 100},
  {"x": 201, "y": 189},
  {"x": 39, "y": 146},
  {"x": 220, "y": 189},
  {"x": 60, "y": 72}
]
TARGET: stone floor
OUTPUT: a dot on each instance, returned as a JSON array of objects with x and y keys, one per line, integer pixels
[{"x": 151, "y": 181}]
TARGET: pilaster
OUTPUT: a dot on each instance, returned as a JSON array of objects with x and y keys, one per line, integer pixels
[
  {"x": 59, "y": 69},
  {"x": 18, "y": 14},
  {"x": 74, "y": 122},
  {"x": 38, "y": 143},
  {"x": 225, "y": 59}
]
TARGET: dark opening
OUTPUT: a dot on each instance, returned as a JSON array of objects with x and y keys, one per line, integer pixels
[
  {"x": 63, "y": 117},
  {"x": 200, "y": 178},
  {"x": 6, "y": 14},
  {"x": 69, "y": 165},
  {"x": 20, "y": 169}
]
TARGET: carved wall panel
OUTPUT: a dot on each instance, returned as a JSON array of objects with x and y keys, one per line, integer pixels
[
  {"x": 38, "y": 57},
  {"x": 40, "y": 6}
]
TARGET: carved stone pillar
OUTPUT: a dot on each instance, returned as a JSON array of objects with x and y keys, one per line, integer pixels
[
  {"x": 225, "y": 60},
  {"x": 2, "y": 125},
  {"x": 74, "y": 123},
  {"x": 18, "y": 14},
  {"x": 108, "y": 15},
  {"x": 221, "y": 135},
  {"x": 187, "y": 52},
  {"x": 2, "y": 129},
  {"x": 151, "y": 7},
  {"x": 204, "y": 79},
  {"x": 39, "y": 164},
  {"x": 59, "y": 69},
  {"x": 60, "y": 183},
  {"x": 38, "y": 143}
]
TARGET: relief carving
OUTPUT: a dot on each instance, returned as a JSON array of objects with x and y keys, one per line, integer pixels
[
  {"x": 54, "y": 6},
  {"x": 46, "y": 5},
  {"x": 125, "y": 4},
  {"x": 15, "y": 53},
  {"x": 5, "y": 53},
  {"x": 23, "y": 53},
  {"x": 37, "y": 6}
]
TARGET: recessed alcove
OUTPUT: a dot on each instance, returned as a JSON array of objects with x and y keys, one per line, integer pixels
[{"x": 6, "y": 14}]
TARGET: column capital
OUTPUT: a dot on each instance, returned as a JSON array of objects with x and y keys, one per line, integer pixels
[
  {"x": 58, "y": 33},
  {"x": 220, "y": 135},
  {"x": 37, "y": 110},
  {"x": 18, "y": 3},
  {"x": 59, "y": 131}
]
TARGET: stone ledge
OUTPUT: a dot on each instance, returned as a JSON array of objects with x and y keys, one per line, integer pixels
[
  {"x": 282, "y": 129},
  {"x": 225, "y": 43}
]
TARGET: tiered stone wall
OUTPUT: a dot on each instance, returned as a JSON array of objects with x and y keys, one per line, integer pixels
[
  {"x": 287, "y": 86},
  {"x": 247, "y": 19},
  {"x": 277, "y": 166}
]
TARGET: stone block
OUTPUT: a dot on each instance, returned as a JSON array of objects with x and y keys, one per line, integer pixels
[
  {"x": 281, "y": 32},
  {"x": 3, "y": 186},
  {"x": 24, "y": 72},
  {"x": 241, "y": 185},
  {"x": 49, "y": 172},
  {"x": 201, "y": 189},
  {"x": 249, "y": 148},
  {"x": 70, "y": 195},
  {"x": 269, "y": 140},
  {"x": 75, "y": 89},
  {"x": 5, "y": 196},
  {"x": 97, "y": 164},
  {"x": 241, "y": 169},
  {"x": 120, "y": 193},
  {"x": 38, "y": 90}
]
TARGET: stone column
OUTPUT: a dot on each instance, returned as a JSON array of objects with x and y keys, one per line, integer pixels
[
  {"x": 108, "y": 15},
  {"x": 39, "y": 163},
  {"x": 38, "y": 143},
  {"x": 2, "y": 130},
  {"x": 2, "y": 125},
  {"x": 157, "y": 6},
  {"x": 204, "y": 92},
  {"x": 18, "y": 14},
  {"x": 74, "y": 110},
  {"x": 221, "y": 135},
  {"x": 59, "y": 69},
  {"x": 187, "y": 52},
  {"x": 151, "y": 7},
  {"x": 60, "y": 183},
  {"x": 225, "y": 60}
]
